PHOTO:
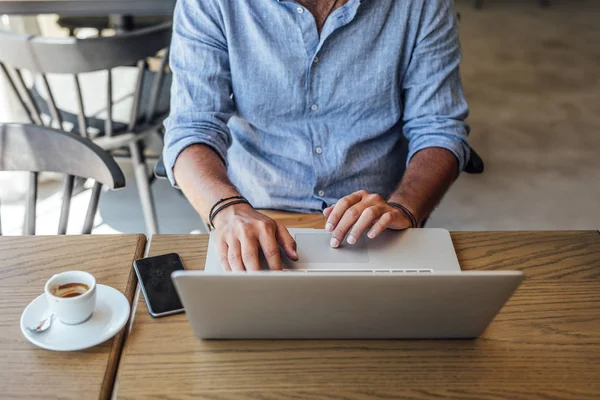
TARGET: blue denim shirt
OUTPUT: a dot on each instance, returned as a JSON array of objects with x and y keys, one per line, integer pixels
[{"x": 304, "y": 119}]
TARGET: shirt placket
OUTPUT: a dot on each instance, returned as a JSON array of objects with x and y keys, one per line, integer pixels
[{"x": 313, "y": 44}]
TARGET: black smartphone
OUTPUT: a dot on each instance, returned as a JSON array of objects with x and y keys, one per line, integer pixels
[{"x": 154, "y": 275}]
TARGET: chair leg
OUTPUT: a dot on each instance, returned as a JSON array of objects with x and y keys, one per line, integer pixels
[
  {"x": 29, "y": 228},
  {"x": 141, "y": 177},
  {"x": 88, "y": 223}
]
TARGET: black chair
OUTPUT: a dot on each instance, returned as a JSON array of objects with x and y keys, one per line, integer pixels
[
  {"x": 38, "y": 149},
  {"x": 475, "y": 164},
  {"x": 160, "y": 170},
  {"x": 41, "y": 57}
]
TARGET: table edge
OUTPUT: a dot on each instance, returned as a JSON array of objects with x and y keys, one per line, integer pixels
[{"x": 116, "y": 350}]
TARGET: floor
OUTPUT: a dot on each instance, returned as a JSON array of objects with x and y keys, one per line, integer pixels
[
  {"x": 532, "y": 78},
  {"x": 118, "y": 211}
]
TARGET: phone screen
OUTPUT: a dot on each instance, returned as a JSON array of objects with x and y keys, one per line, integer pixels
[{"x": 154, "y": 274}]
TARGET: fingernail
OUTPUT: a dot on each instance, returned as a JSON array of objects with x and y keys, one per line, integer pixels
[
  {"x": 371, "y": 234},
  {"x": 334, "y": 242},
  {"x": 329, "y": 227},
  {"x": 351, "y": 239}
]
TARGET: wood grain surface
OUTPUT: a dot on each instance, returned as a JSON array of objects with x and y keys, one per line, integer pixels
[
  {"x": 26, "y": 263},
  {"x": 296, "y": 220},
  {"x": 544, "y": 344}
]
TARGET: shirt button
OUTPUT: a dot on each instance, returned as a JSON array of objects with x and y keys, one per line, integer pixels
[
  {"x": 300, "y": 10},
  {"x": 316, "y": 59},
  {"x": 318, "y": 150},
  {"x": 321, "y": 193},
  {"x": 314, "y": 107}
]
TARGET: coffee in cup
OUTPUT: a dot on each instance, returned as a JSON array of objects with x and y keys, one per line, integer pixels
[
  {"x": 71, "y": 296},
  {"x": 70, "y": 290}
]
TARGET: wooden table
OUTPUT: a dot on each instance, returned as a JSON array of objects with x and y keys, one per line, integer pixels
[
  {"x": 26, "y": 263},
  {"x": 87, "y": 7},
  {"x": 545, "y": 343}
]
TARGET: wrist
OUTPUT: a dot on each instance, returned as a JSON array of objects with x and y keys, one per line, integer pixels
[
  {"x": 229, "y": 211},
  {"x": 415, "y": 211}
]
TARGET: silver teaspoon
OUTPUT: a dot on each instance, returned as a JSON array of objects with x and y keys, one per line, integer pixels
[{"x": 43, "y": 326}]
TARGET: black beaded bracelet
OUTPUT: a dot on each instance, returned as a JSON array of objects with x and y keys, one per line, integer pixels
[
  {"x": 224, "y": 200},
  {"x": 413, "y": 221},
  {"x": 212, "y": 216}
]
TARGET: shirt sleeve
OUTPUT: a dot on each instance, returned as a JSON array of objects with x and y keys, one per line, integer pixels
[
  {"x": 201, "y": 102},
  {"x": 435, "y": 108}
]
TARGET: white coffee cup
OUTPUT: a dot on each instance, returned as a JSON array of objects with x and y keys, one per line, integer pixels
[{"x": 71, "y": 296}]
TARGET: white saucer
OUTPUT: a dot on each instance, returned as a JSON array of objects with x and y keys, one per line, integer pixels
[{"x": 111, "y": 314}]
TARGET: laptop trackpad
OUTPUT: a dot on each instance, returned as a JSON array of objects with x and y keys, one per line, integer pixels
[{"x": 315, "y": 248}]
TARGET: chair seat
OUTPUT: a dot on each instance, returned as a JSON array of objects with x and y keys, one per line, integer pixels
[
  {"x": 122, "y": 138},
  {"x": 72, "y": 23},
  {"x": 115, "y": 142}
]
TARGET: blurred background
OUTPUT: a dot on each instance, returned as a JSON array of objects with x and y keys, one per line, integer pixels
[{"x": 532, "y": 78}]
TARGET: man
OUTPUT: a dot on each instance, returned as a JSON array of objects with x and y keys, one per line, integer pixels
[{"x": 306, "y": 106}]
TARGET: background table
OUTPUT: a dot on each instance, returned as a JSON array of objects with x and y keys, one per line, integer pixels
[
  {"x": 26, "y": 263},
  {"x": 87, "y": 7},
  {"x": 545, "y": 343}
]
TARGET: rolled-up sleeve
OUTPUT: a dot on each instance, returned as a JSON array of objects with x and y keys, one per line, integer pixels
[
  {"x": 435, "y": 108},
  {"x": 201, "y": 102}
]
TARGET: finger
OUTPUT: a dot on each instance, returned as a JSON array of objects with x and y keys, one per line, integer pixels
[
  {"x": 328, "y": 210},
  {"x": 249, "y": 247},
  {"x": 341, "y": 207},
  {"x": 222, "y": 249},
  {"x": 234, "y": 256},
  {"x": 270, "y": 247},
  {"x": 287, "y": 242},
  {"x": 366, "y": 219},
  {"x": 350, "y": 218},
  {"x": 384, "y": 221}
]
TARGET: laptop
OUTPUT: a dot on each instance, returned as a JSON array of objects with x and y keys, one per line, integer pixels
[{"x": 401, "y": 285}]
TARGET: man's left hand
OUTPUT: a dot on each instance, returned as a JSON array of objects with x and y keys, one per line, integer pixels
[{"x": 359, "y": 211}]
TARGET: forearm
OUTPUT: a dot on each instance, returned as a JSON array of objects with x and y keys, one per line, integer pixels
[
  {"x": 202, "y": 176},
  {"x": 428, "y": 177}
]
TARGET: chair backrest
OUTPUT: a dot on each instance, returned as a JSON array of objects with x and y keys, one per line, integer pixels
[
  {"x": 38, "y": 149},
  {"x": 41, "y": 56}
]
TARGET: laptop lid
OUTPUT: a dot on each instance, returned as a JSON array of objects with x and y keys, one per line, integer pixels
[{"x": 292, "y": 305}]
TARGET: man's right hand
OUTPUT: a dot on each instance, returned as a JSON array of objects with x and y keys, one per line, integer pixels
[{"x": 241, "y": 231}]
